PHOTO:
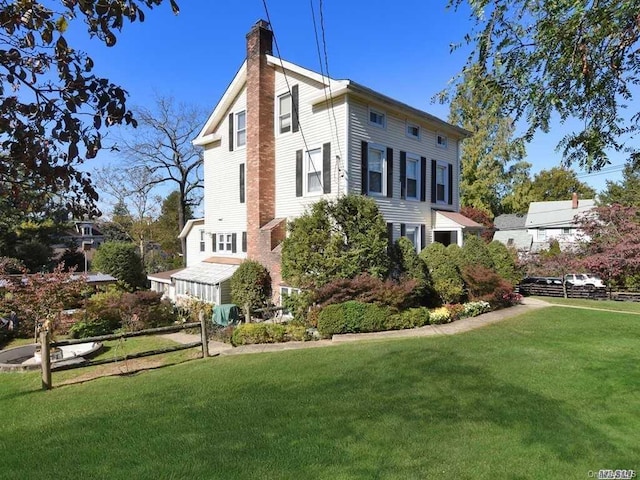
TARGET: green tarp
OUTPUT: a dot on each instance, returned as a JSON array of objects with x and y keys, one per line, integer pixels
[{"x": 225, "y": 314}]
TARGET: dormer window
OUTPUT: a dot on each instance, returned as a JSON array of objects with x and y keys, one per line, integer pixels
[
  {"x": 441, "y": 141},
  {"x": 377, "y": 118}
]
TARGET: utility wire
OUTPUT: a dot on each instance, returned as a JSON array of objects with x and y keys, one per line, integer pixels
[{"x": 286, "y": 79}]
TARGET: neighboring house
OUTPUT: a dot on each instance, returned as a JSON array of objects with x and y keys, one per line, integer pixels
[
  {"x": 282, "y": 137},
  {"x": 85, "y": 235},
  {"x": 510, "y": 230},
  {"x": 546, "y": 221}
]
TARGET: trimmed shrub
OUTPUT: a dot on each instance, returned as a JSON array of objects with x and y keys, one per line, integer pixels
[
  {"x": 91, "y": 328},
  {"x": 367, "y": 289},
  {"x": 445, "y": 275},
  {"x": 251, "y": 333},
  {"x": 475, "y": 252},
  {"x": 439, "y": 316},
  {"x": 505, "y": 261},
  {"x": 295, "y": 333},
  {"x": 411, "y": 318},
  {"x": 485, "y": 284},
  {"x": 250, "y": 286},
  {"x": 352, "y": 317}
]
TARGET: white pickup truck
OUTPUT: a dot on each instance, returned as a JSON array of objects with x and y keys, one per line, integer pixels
[{"x": 583, "y": 279}]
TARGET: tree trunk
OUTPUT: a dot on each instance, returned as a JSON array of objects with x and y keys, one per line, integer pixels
[{"x": 181, "y": 221}]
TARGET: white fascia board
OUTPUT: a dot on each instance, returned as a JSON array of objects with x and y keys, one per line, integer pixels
[
  {"x": 203, "y": 140},
  {"x": 223, "y": 105},
  {"x": 292, "y": 67},
  {"x": 189, "y": 225}
]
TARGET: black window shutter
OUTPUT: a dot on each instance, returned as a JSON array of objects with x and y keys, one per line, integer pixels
[
  {"x": 423, "y": 236},
  {"x": 390, "y": 233},
  {"x": 234, "y": 240},
  {"x": 298, "y": 173},
  {"x": 403, "y": 175},
  {"x": 450, "y": 169},
  {"x": 242, "y": 183},
  {"x": 434, "y": 197},
  {"x": 364, "y": 157},
  {"x": 214, "y": 242},
  {"x": 231, "y": 132},
  {"x": 423, "y": 179},
  {"x": 295, "y": 122},
  {"x": 390, "y": 172},
  {"x": 403, "y": 230},
  {"x": 244, "y": 241},
  {"x": 326, "y": 168}
]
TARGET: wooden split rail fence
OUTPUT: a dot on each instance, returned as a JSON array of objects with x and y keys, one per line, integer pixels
[{"x": 46, "y": 345}]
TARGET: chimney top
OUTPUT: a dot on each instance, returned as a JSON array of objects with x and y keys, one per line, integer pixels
[
  {"x": 574, "y": 200},
  {"x": 261, "y": 24}
]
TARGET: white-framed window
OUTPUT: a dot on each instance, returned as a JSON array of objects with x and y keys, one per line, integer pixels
[
  {"x": 442, "y": 182},
  {"x": 441, "y": 140},
  {"x": 241, "y": 128},
  {"x": 377, "y": 118},
  {"x": 542, "y": 234},
  {"x": 413, "y": 177},
  {"x": 566, "y": 230},
  {"x": 412, "y": 233},
  {"x": 86, "y": 231},
  {"x": 284, "y": 113},
  {"x": 202, "y": 240},
  {"x": 313, "y": 172},
  {"x": 225, "y": 242},
  {"x": 413, "y": 131},
  {"x": 377, "y": 160}
]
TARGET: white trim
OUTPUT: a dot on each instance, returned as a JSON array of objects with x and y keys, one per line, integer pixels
[
  {"x": 306, "y": 171},
  {"x": 408, "y": 125},
  {"x": 236, "y": 130},
  {"x": 380, "y": 113},
  {"x": 207, "y": 139},
  {"x": 383, "y": 182},
  {"x": 189, "y": 225},
  {"x": 415, "y": 227},
  {"x": 278, "y": 115},
  {"x": 446, "y": 166},
  {"x": 413, "y": 158},
  {"x": 224, "y": 244}
]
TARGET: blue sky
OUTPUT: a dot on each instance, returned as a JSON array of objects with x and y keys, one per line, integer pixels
[{"x": 400, "y": 49}]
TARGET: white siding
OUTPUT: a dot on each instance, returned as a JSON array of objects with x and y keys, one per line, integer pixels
[
  {"x": 223, "y": 211},
  {"x": 317, "y": 127},
  {"x": 394, "y": 136},
  {"x": 194, "y": 255}
]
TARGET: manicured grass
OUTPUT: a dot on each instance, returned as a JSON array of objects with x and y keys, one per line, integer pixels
[
  {"x": 632, "y": 307},
  {"x": 552, "y": 394}
]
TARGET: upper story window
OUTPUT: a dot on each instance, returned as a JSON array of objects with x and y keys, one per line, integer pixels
[
  {"x": 202, "y": 240},
  {"x": 441, "y": 140},
  {"x": 284, "y": 113},
  {"x": 413, "y": 131},
  {"x": 378, "y": 118},
  {"x": 86, "y": 231},
  {"x": 377, "y": 167},
  {"x": 241, "y": 129},
  {"x": 442, "y": 182},
  {"x": 413, "y": 176},
  {"x": 313, "y": 171}
]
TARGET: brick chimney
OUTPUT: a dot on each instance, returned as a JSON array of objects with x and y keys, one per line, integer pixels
[
  {"x": 574, "y": 200},
  {"x": 264, "y": 232}
]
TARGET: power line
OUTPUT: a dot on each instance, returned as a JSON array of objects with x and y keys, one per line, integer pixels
[{"x": 286, "y": 79}]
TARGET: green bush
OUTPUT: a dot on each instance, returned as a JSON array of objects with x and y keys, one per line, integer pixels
[
  {"x": 251, "y": 333},
  {"x": 295, "y": 333},
  {"x": 473, "y": 309},
  {"x": 411, "y": 318},
  {"x": 91, "y": 328},
  {"x": 352, "y": 317},
  {"x": 121, "y": 260},
  {"x": 250, "y": 286},
  {"x": 505, "y": 261},
  {"x": 445, "y": 275},
  {"x": 475, "y": 252}
]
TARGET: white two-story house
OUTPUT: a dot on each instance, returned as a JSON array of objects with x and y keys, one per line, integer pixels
[{"x": 283, "y": 137}]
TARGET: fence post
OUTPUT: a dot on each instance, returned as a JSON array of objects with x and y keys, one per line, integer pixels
[
  {"x": 203, "y": 335},
  {"x": 45, "y": 359}
]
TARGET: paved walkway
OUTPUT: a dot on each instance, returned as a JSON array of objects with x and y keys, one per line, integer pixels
[{"x": 459, "y": 326}]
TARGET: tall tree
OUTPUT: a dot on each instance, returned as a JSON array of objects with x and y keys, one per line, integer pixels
[
  {"x": 555, "y": 184},
  {"x": 491, "y": 160},
  {"x": 133, "y": 192},
  {"x": 48, "y": 89},
  {"x": 167, "y": 226},
  {"x": 626, "y": 192},
  {"x": 162, "y": 145},
  {"x": 576, "y": 60}
]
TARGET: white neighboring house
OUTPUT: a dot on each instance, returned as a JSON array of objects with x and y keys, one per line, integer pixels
[
  {"x": 546, "y": 221},
  {"x": 283, "y": 137}
]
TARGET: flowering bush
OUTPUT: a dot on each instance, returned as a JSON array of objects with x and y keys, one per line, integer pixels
[
  {"x": 473, "y": 309},
  {"x": 439, "y": 315},
  {"x": 455, "y": 310},
  {"x": 512, "y": 298}
]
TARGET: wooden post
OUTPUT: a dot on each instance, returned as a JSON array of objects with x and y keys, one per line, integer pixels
[
  {"x": 45, "y": 359},
  {"x": 203, "y": 335}
]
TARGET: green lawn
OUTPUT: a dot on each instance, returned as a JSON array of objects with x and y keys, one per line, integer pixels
[
  {"x": 633, "y": 307},
  {"x": 552, "y": 394}
]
